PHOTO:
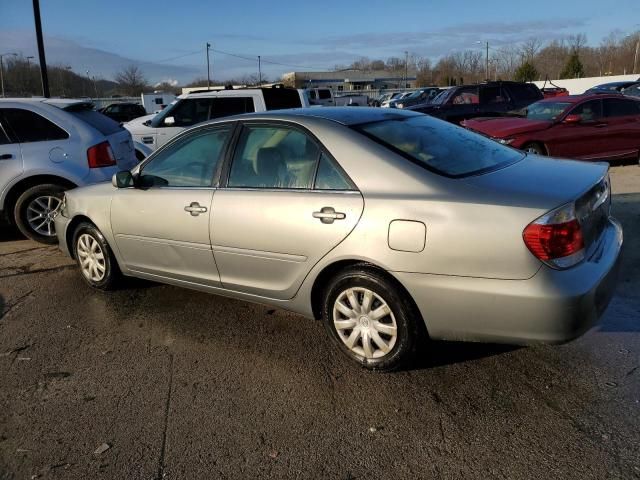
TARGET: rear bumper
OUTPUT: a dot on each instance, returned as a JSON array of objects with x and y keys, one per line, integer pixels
[{"x": 553, "y": 306}]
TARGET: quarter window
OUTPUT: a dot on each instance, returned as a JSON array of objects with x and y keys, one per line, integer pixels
[
  {"x": 190, "y": 162},
  {"x": 29, "y": 127},
  {"x": 329, "y": 177},
  {"x": 273, "y": 157}
]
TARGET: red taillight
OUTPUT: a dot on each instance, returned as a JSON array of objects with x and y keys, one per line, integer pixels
[
  {"x": 101, "y": 155},
  {"x": 556, "y": 238}
]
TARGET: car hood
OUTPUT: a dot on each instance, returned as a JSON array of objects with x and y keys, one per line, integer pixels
[
  {"x": 505, "y": 127},
  {"x": 137, "y": 124},
  {"x": 538, "y": 182}
]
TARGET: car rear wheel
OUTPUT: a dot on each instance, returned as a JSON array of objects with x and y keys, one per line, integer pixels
[
  {"x": 370, "y": 319},
  {"x": 535, "y": 148},
  {"x": 35, "y": 210},
  {"x": 95, "y": 259}
]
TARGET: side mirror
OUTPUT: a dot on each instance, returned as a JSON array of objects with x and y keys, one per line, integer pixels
[
  {"x": 572, "y": 119},
  {"x": 169, "y": 121},
  {"x": 122, "y": 179}
]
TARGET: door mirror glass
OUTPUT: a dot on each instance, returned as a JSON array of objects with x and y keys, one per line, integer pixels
[
  {"x": 122, "y": 179},
  {"x": 572, "y": 119},
  {"x": 169, "y": 121}
]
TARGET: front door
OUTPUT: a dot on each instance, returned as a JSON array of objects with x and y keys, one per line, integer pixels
[
  {"x": 583, "y": 139},
  {"x": 285, "y": 206},
  {"x": 162, "y": 225}
]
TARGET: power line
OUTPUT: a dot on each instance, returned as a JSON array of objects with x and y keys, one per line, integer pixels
[{"x": 253, "y": 59}]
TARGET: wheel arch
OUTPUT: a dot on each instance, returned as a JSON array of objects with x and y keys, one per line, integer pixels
[
  {"x": 23, "y": 184},
  {"x": 329, "y": 271},
  {"x": 71, "y": 228}
]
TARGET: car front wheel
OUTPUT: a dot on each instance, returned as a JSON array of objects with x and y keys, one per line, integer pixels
[
  {"x": 370, "y": 319},
  {"x": 95, "y": 259}
]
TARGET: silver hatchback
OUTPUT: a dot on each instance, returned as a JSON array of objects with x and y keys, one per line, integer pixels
[{"x": 388, "y": 225}]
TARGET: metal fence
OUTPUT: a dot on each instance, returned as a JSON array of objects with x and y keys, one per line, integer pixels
[
  {"x": 103, "y": 102},
  {"x": 372, "y": 94}
]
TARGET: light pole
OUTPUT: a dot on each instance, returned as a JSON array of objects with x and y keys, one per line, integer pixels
[
  {"x": 406, "y": 68},
  {"x": 487, "y": 59},
  {"x": 208, "y": 70},
  {"x": 43, "y": 61},
  {"x": 259, "y": 72},
  {"x": 2, "y": 69}
]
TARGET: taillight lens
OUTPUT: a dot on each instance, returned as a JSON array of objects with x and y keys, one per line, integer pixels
[
  {"x": 556, "y": 238},
  {"x": 101, "y": 155}
]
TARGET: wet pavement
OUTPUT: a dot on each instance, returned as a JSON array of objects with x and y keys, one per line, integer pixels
[{"x": 154, "y": 382}]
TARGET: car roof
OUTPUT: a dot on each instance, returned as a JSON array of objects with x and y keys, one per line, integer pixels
[
  {"x": 56, "y": 102},
  {"x": 583, "y": 97},
  {"x": 614, "y": 84},
  {"x": 342, "y": 115}
]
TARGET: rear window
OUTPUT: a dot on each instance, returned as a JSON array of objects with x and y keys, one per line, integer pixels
[
  {"x": 280, "y": 98},
  {"x": 97, "y": 120},
  {"x": 324, "y": 94},
  {"x": 439, "y": 146}
]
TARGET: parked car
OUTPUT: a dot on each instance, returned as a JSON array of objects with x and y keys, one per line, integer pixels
[
  {"x": 398, "y": 96},
  {"x": 585, "y": 127},
  {"x": 417, "y": 97},
  {"x": 489, "y": 99},
  {"x": 388, "y": 225},
  {"x": 196, "y": 107},
  {"x": 632, "y": 90},
  {"x": 552, "y": 92},
  {"x": 385, "y": 97},
  {"x": 123, "y": 112},
  {"x": 611, "y": 87},
  {"x": 325, "y": 97},
  {"x": 49, "y": 146}
]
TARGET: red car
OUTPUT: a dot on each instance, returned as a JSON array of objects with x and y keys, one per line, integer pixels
[{"x": 586, "y": 127}]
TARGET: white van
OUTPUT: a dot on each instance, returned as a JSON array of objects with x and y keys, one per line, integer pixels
[{"x": 196, "y": 107}]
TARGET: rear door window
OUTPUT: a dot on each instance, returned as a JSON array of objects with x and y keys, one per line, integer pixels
[
  {"x": 226, "y": 106},
  {"x": 279, "y": 98},
  {"x": 619, "y": 107},
  {"x": 324, "y": 94},
  {"x": 492, "y": 94},
  {"x": 29, "y": 126}
]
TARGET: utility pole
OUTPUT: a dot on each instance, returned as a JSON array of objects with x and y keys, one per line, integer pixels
[
  {"x": 487, "y": 66},
  {"x": 2, "y": 69},
  {"x": 208, "y": 69},
  {"x": 406, "y": 68},
  {"x": 635, "y": 58},
  {"x": 43, "y": 61},
  {"x": 259, "y": 72}
]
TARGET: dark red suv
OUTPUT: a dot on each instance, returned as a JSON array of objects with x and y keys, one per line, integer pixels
[{"x": 586, "y": 127}]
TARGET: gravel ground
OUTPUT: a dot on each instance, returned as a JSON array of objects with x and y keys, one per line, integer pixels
[{"x": 154, "y": 382}]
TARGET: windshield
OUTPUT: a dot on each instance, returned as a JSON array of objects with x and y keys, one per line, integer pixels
[
  {"x": 440, "y": 146},
  {"x": 441, "y": 98},
  {"x": 546, "y": 110}
]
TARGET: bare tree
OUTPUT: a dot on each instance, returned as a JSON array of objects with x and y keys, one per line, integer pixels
[{"x": 131, "y": 80}]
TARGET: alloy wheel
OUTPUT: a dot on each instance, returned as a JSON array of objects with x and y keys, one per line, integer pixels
[
  {"x": 91, "y": 257},
  {"x": 365, "y": 323},
  {"x": 41, "y": 214}
]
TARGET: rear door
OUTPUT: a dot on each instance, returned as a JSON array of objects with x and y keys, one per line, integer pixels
[
  {"x": 494, "y": 101},
  {"x": 285, "y": 204},
  {"x": 10, "y": 157},
  {"x": 623, "y": 127}
]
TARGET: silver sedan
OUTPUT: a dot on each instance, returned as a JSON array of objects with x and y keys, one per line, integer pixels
[{"x": 390, "y": 226}]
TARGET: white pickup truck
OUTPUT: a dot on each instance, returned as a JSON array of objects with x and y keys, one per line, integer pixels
[
  {"x": 325, "y": 98},
  {"x": 155, "y": 130}
]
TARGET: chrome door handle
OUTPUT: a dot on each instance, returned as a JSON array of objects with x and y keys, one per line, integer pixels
[
  {"x": 328, "y": 215},
  {"x": 195, "y": 209}
]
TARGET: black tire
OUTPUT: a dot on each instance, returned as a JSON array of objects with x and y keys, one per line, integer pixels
[
  {"x": 23, "y": 213},
  {"x": 408, "y": 328},
  {"x": 111, "y": 275},
  {"x": 535, "y": 148}
]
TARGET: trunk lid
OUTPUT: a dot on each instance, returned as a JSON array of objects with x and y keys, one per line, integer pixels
[{"x": 542, "y": 184}]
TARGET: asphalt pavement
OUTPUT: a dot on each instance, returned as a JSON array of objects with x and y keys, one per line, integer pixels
[{"x": 158, "y": 382}]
